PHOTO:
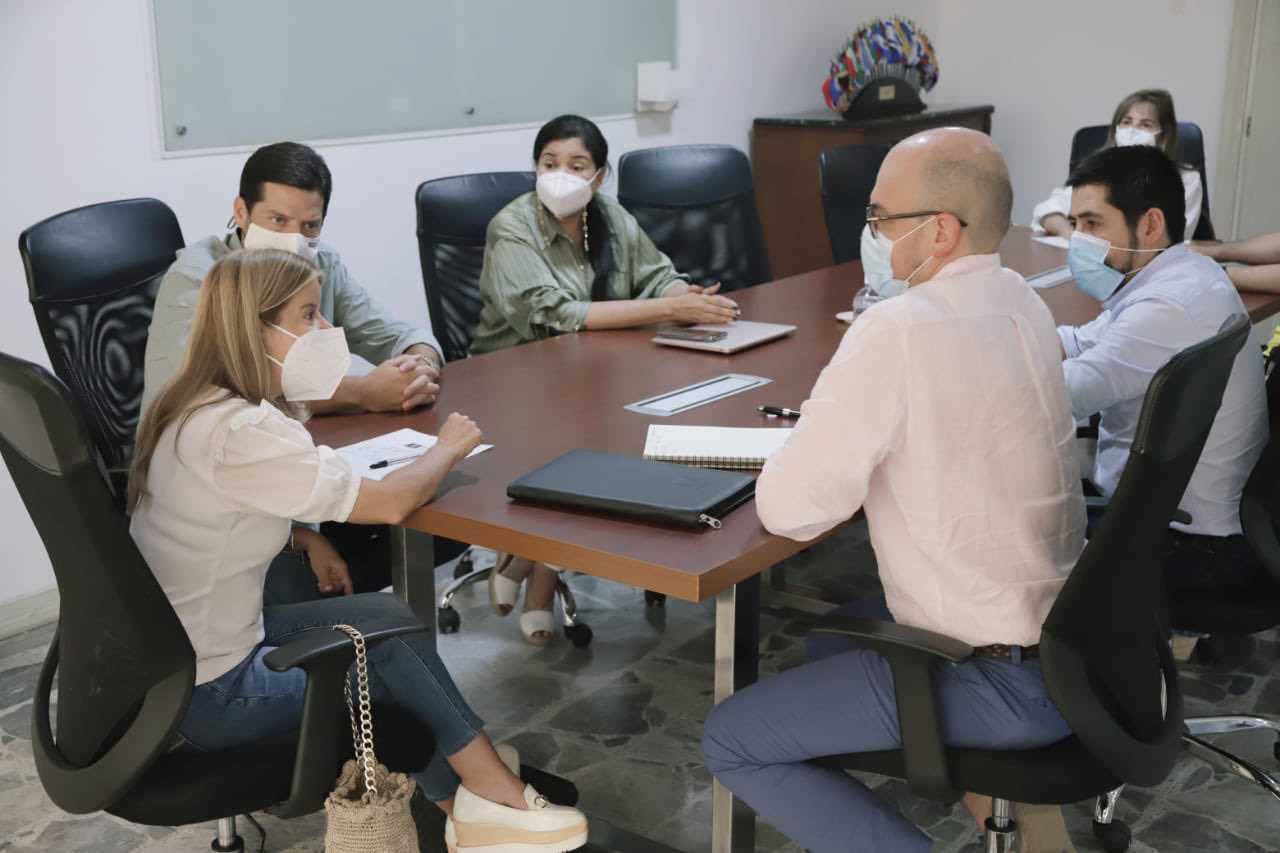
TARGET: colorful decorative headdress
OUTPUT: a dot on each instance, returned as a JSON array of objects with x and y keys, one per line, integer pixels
[{"x": 877, "y": 50}]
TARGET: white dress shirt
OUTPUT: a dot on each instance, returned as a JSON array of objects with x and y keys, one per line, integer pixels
[
  {"x": 944, "y": 414},
  {"x": 1179, "y": 299},
  {"x": 1059, "y": 201},
  {"x": 220, "y": 495}
]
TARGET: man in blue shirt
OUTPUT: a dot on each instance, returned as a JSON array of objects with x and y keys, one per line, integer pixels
[{"x": 1158, "y": 298}]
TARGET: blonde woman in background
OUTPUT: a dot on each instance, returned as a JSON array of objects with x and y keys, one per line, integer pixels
[{"x": 1146, "y": 117}]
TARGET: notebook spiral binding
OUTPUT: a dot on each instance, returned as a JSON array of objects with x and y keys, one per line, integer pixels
[{"x": 737, "y": 463}]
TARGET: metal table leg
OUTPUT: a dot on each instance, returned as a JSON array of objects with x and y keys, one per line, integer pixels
[
  {"x": 733, "y": 825},
  {"x": 413, "y": 573}
]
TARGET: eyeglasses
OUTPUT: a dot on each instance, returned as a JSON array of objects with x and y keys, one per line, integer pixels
[{"x": 874, "y": 219}]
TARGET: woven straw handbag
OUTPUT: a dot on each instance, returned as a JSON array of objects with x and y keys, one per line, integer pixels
[{"x": 368, "y": 811}]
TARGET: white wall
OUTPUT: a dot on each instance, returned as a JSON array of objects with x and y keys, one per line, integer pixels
[
  {"x": 1051, "y": 68},
  {"x": 78, "y": 106}
]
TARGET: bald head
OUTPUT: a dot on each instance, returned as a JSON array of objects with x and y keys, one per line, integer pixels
[{"x": 956, "y": 170}]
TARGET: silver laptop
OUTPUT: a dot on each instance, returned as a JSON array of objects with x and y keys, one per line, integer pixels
[{"x": 723, "y": 337}]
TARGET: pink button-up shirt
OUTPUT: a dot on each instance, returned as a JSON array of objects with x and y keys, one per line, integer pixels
[{"x": 945, "y": 415}]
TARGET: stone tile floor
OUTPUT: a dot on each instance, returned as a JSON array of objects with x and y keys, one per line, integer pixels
[{"x": 622, "y": 720}]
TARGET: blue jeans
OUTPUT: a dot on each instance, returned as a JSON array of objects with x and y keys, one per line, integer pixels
[
  {"x": 758, "y": 742},
  {"x": 251, "y": 703}
]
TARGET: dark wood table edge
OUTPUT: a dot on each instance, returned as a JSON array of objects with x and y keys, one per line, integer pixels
[{"x": 608, "y": 566}]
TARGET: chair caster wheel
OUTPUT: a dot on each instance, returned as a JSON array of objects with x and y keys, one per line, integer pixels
[
  {"x": 448, "y": 620},
  {"x": 1114, "y": 837},
  {"x": 464, "y": 566},
  {"x": 654, "y": 599},
  {"x": 1275, "y": 750},
  {"x": 580, "y": 634}
]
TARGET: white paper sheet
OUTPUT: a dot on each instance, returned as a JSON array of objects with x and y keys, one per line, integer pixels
[{"x": 399, "y": 448}]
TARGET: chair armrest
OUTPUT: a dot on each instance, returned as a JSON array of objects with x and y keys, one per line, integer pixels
[
  {"x": 881, "y": 636},
  {"x": 1090, "y": 430},
  {"x": 311, "y": 646},
  {"x": 1095, "y": 504},
  {"x": 1098, "y": 505},
  {"x": 324, "y": 734},
  {"x": 912, "y": 654}
]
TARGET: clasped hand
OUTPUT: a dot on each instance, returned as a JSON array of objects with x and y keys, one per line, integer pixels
[{"x": 400, "y": 384}]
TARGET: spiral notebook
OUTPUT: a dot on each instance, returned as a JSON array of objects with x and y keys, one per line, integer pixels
[{"x": 714, "y": 447}]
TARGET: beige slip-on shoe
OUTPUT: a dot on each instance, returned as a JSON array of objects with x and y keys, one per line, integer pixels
[{"x": 481, "y": 826}]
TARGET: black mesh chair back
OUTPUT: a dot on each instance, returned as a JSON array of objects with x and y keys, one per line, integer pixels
[
  {"x": 453, "y": 215},
  {"x": 1240, "y": 613},
  {"x": 698, "y": 206},
  {"x": 1106, "y": 658},
  {"x": 848, "y": 174},
  {"x": 1260, "y": 503},
  {"x": 92, "y": 274},
  {"x": 124, "y": 666},
  {"x": 1190, "y": 152}
]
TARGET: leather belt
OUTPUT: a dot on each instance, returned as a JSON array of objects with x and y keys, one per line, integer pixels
[{"x": 1000, "y": 651}]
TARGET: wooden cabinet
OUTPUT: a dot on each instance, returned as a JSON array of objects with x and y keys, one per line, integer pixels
[{"x": 784, "y": 156}]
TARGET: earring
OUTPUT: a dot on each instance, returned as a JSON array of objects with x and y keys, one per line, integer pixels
[{"x": 586, "y": 234}]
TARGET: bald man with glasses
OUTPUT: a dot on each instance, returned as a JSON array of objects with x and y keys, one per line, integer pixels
[{"x": 944, "y": 416}]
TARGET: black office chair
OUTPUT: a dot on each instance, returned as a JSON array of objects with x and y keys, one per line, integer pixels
[
  {"x": 1190, "y": 151},
  {"x": 125, "y": 668},
  {"x": 92, "y": 274},
  {"x": 698, "y": 205},
  {"x": 848, "y": 174},
  {"x": 453, "y": 216},
  {"x": 1239, "y": 615},
  {"x": 1103, "y": 647}
]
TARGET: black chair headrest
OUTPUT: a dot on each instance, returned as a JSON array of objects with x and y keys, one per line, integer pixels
[
  {"x": 683, "y": 175},
  {"x": 99, "y": 250},
  {"x": 457, "y": 209}
]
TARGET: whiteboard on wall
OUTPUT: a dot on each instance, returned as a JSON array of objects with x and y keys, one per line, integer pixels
[{"x": 250, "y": 72}]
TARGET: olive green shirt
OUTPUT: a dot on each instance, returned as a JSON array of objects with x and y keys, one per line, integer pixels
[{"x": 536, "y": 281}]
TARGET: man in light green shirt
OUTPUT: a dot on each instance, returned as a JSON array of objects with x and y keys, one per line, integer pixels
[{"x": 284, "y": 196}]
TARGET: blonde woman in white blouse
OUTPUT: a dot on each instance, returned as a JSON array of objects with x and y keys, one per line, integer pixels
[
  {"x": 1145, "y": 117},
  {"x": 222, "y": 465}
]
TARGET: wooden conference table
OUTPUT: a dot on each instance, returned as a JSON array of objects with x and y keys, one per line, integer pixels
[{"x": 539, "y": 400}]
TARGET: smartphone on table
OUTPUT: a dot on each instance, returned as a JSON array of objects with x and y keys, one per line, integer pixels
[{"x": 679, "y": 333}]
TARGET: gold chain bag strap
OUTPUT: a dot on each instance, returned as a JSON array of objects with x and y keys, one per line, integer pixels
[{"x": 368, "y": 811}]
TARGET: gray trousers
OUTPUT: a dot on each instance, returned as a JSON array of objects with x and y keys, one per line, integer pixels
[{"x": 758, "y": 742}]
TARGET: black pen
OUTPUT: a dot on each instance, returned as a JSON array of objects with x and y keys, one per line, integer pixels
[
  {"x": 383, "y": 463},
  {"x": 781, "y": 412}
]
